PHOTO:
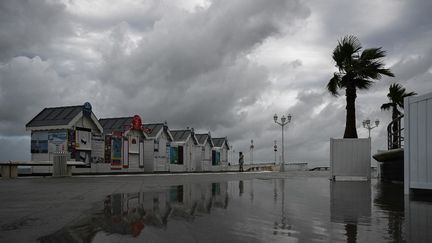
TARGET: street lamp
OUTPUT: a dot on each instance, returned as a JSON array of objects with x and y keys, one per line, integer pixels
[
  {"x": 282, "y": 123},
  {"x": 368, "y": 126},
  {"x": 251, "y": 151}
]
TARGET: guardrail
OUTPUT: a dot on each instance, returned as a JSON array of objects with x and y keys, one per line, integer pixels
[
  {"x": 394, "y": 133},
  {"x": 10, "y": 169}
]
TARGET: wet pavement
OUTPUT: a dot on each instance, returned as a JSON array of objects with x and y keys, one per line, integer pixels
[{"x": 225, "y": 207}]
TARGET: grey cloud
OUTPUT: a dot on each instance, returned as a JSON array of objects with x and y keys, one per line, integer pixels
[
  {"x": 27, "y": 26},
  {"x": 12, "y": 148},
  {"x": 26, "y": 85},
  {"x": 193, "y": 66},
  {"x": 409, "y": 67}
]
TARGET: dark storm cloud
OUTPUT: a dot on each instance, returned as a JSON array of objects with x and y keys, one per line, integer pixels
[
  {"x": 197, "y": 67},
  {"x": 26, "y": 27},
  {"x": 193, "y": 69},
  {"x": 190, "y": 68}
]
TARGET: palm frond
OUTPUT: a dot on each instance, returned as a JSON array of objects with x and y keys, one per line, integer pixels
[
  {"x": 363, "y": 84},
  {"x": 397, "y": 93},
  {"x": 372, "y": 54},
  {"x": 386, "y": 106},
  {"x": 345, "y": 51},
  {"x": 334, "y": 84}
]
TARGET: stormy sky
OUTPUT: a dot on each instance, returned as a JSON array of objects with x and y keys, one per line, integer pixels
[{"x": 221, "y": 66}]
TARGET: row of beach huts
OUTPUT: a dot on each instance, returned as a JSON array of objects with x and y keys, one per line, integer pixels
[{"x": 122, "y": 144}]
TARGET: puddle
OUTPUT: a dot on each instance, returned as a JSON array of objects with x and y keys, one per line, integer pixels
[{"x": 290, "y": 210}]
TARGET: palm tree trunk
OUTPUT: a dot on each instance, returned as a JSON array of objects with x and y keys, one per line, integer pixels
[{"x": 350, "y": 126}]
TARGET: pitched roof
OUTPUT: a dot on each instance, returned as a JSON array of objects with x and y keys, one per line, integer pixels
[
  {"x": 180, "y": 135},
  {"x": 55, "y": 116},
  {"x": 218, "y": 142},
  {"x": 153, "y": 129},
  {"x": 115, "y": 124},
  {"x": 201, "y": 138}
]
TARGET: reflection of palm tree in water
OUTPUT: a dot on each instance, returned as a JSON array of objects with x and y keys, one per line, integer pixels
[{"x": 351, "y": 233}]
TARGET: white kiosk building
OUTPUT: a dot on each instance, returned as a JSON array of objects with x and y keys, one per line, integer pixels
[
  {"x": 205, "y": 146},
  {"x": 74, "y": 130},
  {"x": 183, "y": 150},
  {"x": 157, "y": 147}
]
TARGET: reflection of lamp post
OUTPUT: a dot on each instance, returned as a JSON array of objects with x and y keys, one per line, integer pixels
[
  {"x": 275, "y": 150},
  {"x": 284, "y": 121},
  {"x": 230, "y": 155},
  {"x": 251, "y": 151},
  {"x": 367, "y": 125}
]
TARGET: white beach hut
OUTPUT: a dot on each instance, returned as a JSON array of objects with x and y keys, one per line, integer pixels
[
  {"x": 157, "y": 147},
  {"x": 124, "y": 138},
  {"x": 182, "y": 150},
  {"x": 204, "y": 152},
  {"x": 73, "y": 130},
  {"x": 220, "y": 154}
]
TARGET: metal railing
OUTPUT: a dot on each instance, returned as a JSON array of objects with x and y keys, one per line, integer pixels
[{"x": 394, "y": 133}]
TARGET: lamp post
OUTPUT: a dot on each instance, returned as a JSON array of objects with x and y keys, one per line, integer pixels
[
  {"x": 283, "y": 121},
  {"x": 251, "y": 151},
  {"x": 275, "y": 150},
  {"x": 368, "y": 126}
]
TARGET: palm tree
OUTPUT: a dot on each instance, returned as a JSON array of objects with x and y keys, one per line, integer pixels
[
  {"x": 357, "y": 70},
  {"x": 396, "y": 96}
]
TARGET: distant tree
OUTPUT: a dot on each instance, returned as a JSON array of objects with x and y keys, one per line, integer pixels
[
  {"x": 396, "y": 96},
  {"x": 357, "y": 70}
]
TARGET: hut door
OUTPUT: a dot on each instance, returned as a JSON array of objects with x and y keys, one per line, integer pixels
[{"x": 180, "y": 154}]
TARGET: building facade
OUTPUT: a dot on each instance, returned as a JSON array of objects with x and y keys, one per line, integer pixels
[{"x": 73, "y": 130}]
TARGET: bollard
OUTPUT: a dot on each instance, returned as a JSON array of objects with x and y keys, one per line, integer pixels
[
  {"x": 5, "y": 171},
  {"x": 59, "y": 165}
]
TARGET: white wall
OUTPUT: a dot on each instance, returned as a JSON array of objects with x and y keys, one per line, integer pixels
[
  {"x": 418, "y": 142},
  {"x": 149, "y": 156},
  {"x": 350, "y": 158},
  {"x": 161, "y": 157}
]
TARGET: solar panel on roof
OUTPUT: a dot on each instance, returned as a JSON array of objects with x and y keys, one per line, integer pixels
[
  {"x": 44, "y": 113},
  {"x": 73, "y": 112},
  {"x": 53, "y": 114},
  {"x": 64, "y": 113}
]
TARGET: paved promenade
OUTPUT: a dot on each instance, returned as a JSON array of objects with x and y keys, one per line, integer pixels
[{"x": 33, "y": 207}]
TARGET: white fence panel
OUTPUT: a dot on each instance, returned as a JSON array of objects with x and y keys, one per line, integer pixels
[
  {"x": 350, "y": 158},
  {"x": 418, "y": 142}
]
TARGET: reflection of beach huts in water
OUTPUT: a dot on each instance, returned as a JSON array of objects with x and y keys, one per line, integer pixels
[
  {"x": 133, "y": 214},
  {"x": 204, "y": 152},
  {"x": 124, "y": 138},
  {"x": 182, "y": 150},
  {"x": 157, "y": 147},
  {"x": 220, "y": 153},
  {"x": 74, "y": 130}
]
